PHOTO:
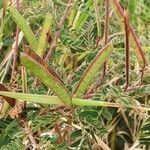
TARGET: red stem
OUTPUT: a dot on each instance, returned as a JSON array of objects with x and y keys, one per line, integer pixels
[
  {"x": 106, "y": 32},
  {"x": 14, "y": 67},
  {"x": 127, "y": 67}
]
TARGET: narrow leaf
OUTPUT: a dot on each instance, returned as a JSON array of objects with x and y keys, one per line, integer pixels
[
  {"x": 92, "y": 69},
  {"x": 82, "y": 15},
  {"x": 54, "y": 100},
  {"x": 21, "y": 23},
  {"x": 71, "y": 16},
  {"x": 43, "y": 37},
  {"x": 37, "y": 58},
  {"x": 46, "y": 75}
]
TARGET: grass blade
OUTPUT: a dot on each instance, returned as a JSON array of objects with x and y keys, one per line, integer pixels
[
  {"x": 92, "y": 69},
  {"x": 54, "y": 100},
  {"x": 44, "y": 33},
  {"x": 24, "y": 27},
  {"x": 47, "y": 76}
]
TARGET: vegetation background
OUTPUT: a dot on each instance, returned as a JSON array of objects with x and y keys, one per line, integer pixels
[{"x": 53, "y": 52}]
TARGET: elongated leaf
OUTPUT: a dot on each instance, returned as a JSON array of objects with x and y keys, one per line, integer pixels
[
  {"x": 37, "y": 58},
  {"x": 71, "y": 16},
  {"x": 54, "y": 100},
  {"x": 82, "y": 16},
  {"x": 92, "y": 69},
  {"x": 21, "y": 23},
  {"x": 46, "y": 76},
  {"x": 133, "y": 38},
  {"x": 43, "y": 37}
]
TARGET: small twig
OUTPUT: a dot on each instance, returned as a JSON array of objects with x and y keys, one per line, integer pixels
[
  {"x": 103, "y": 145},
  {"x": 135, "y": 144},
  {"x": 58, "y": 131},
  {"x": 127, "y": 123}
]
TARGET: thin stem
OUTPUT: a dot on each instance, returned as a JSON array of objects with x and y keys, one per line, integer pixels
[
  {"x": 135, "y": 41},
  {"x": 106, "y": 32},
  {"x": 14, "y": 68},
  {"x": 24, "y": 79},
  {"x": 127, "y": 67},
  {"x": 106, "y": 29}
]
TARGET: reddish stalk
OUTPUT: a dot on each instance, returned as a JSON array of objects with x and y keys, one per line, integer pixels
[
  {"x": 19, "y": 106},
  {"x": 106, "y": 32},
  {"x": 14, "y": 68},
  {"x": 106, "y": 29},
  {"x": 127, "y": 64},
  {"x": 141, "y": 52},
  {"x": 133, "y": 36}
]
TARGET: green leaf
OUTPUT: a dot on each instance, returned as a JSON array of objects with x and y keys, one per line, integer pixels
[
  {"x": 24, "y": 27},
  {"x": 54, "y": 100},
  {"x": 71, "y": 16},
  {"x": 87, "y": 114},
  {"x": 82, "y": 15},
  {"x": 46, "y": 75},
  {"x": 92, "y": 69},
  {"x": 76, "y": 143},
  {"x": 144, "y": 137},
  {"x": 7, "y": 134},
  {"x": 107, "y": 114},
  {"x": 132, "y": 6},
  {"x": 43, "y": 99},
  {"x": 15, "y": 144},
  {"x": 76, "y": 134},
  {"x": 43, "y": 37},
  {"x": 81, "y": 20}
]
